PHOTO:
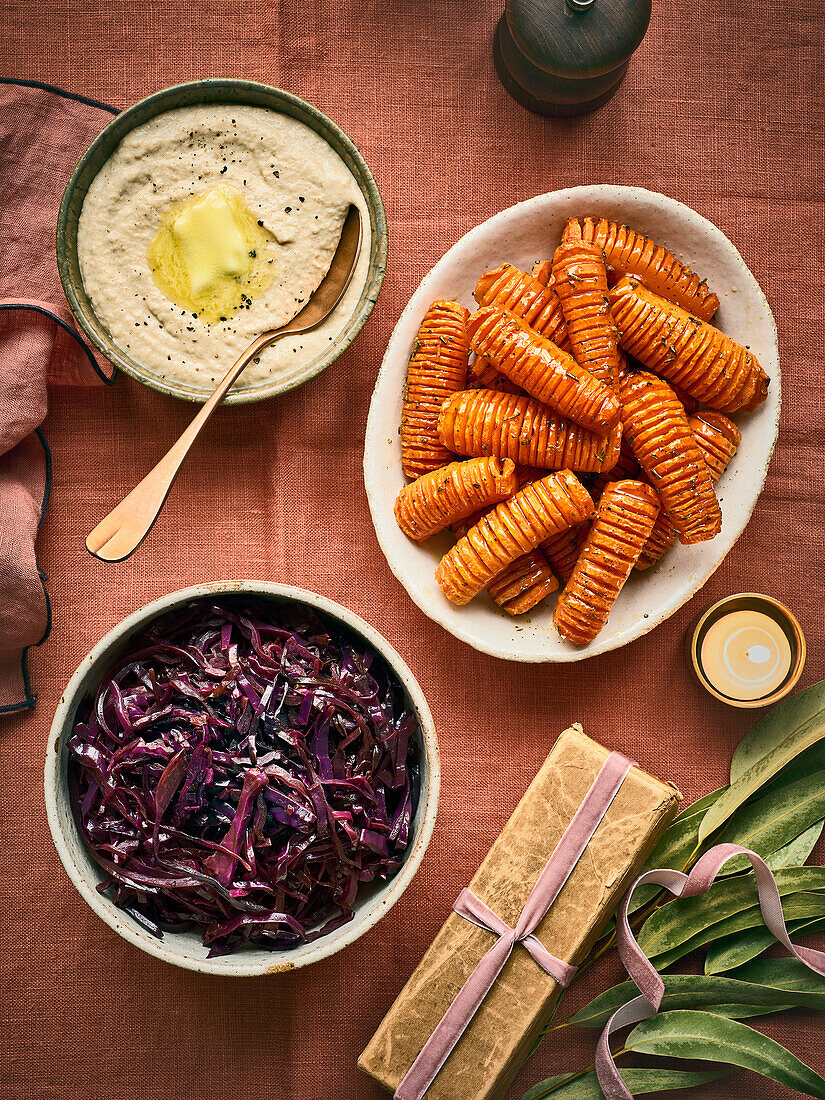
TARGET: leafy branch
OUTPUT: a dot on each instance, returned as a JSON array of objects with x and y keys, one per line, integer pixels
[{"x": 774, "y": 805}]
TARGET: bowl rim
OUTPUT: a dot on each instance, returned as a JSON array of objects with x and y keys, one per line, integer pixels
[
  {"x": 374, "y": 430},
  {"x": 55, "y": 793},
  {"x": 121, "y": 125}
]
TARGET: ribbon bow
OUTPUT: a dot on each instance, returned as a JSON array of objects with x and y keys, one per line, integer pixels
[
  {"x": 555, "y": 873},
  {"x": 643, "y": 972}
]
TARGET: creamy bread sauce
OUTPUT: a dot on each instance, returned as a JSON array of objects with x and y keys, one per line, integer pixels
[{"x": 176, "y": 196}]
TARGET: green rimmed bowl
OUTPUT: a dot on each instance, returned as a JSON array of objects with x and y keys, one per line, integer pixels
[{"x": 247, "y": 93}]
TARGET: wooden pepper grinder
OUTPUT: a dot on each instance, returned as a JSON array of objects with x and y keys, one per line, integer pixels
[{"x": 567, "y": 57}]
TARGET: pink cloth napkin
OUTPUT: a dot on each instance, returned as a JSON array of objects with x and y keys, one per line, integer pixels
[{"x": 43, "y": 133}]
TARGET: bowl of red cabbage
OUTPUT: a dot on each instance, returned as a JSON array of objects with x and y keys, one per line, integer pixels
[{"x": 242, "y": 778}]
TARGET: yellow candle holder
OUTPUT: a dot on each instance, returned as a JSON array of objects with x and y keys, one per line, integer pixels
[{"x": 757, "y": 605}]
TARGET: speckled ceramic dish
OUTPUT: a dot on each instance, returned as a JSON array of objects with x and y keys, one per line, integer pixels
[
  {"x": 246, "y": 93},
  {"x": 521, "y": 235},
  {"x": 185, "y": 948}
]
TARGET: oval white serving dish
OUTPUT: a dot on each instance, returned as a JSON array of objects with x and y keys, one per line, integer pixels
[{"x": 521, "y": 235}]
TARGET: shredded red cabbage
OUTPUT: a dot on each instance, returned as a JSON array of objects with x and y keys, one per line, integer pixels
[{"x": 242, "y": 770}]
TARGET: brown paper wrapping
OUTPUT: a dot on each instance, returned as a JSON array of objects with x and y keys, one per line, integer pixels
[{"x": 499, "y": 1038}]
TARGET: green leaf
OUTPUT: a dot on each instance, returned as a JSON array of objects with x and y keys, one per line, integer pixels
[
  {"x": 677, "y": 844},
  {"x": 640, "y": 1081},
  {"x": 785, "y": 973},
  {"x": 736, "y": 950},
  {"x": 683, "y": 918},
  {"x": 811, "y": 760},
  {"x": 740, "y": 1012},
  {"x": 797, "y": 850},
  {"x": 702, "y": 1035},
  {"x": 549, "y": 1087},
  {"x": 795, "y": 714},
  {"x": 774, "y": 742},
  {"x": 797, "y": 907},
  {"x": 701, "y": 990},
  {"x": 769, "y": 823}
]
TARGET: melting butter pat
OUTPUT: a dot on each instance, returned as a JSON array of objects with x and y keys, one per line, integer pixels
[
  {"x": 211, "y": 255},
  {"x": 211, "y": 242}
]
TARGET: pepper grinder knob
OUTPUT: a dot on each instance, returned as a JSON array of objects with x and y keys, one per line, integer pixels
[{"x": 567, "y": 57}]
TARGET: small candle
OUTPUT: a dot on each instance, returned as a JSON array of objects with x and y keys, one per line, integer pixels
[{"x": 746, "y": 655}]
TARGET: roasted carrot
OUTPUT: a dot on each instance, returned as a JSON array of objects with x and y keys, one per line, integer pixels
[
  {"x": 438, "y": 367},
  {"x": 718, "y": 437},
  {"x": 523, "y": 475},
  {"x": 580, "y": 279},
  {"x": 562, "y": 550},
  {"x": 484, "y": 422},
  {"x": 543, "y": 271},
  {"x": 536, "y": 303},
  {"x": 514, "y": 527},
  {"x": 629, "y": 253},
  {"x": 484, "y": 376},
  {"x": 441, "y": 497},
  {"x": 692, "y": 354},
  {"x": 689, "y": 403},
  {"x": 661, "y": 539},
  {"x": 523, "y": 584},
  {"x": 542, "y": 369},
  {"x": 624, "y": 520},
  {"x": 626, "y": 467},
  {"x": 658, "y": 431}
]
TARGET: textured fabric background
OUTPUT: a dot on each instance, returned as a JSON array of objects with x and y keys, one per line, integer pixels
[
  {"x": 723, "y": 109},
  {"x": 36, "y": 346}
]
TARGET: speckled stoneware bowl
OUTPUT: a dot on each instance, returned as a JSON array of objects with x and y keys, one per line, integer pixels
[
  {"x": 521, "y": 235},
  {"x": 247, "y": 93},
  {"x": 185, "y": 948}
]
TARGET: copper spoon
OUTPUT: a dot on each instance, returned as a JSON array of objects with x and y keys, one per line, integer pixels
[{"x": 126, "y": 526}]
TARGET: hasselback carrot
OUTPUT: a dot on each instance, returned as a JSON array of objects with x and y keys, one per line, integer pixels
[
  {"x": 580, "y": 279},
  {"x": 514, "y": 527},
  {"x": 718, "y": 437},
  {"x": 523, "y": 475},
  {"x": 523, "y": 584},
  {"x": 441, "y": 497},
  {"x": 624, "y": 520},
  {"x": 543, "y": 271},
  {"x": 626, "y": 467},
  {"x": 689, "y": 403},
  {"x": 438, "y": 367},
  {"x": 629, "y": 253},
  {"x": 542, "y": 369},
  {"x": 692, "y": 354},
  {"x": 484, "y": 422},
  {"x": 562, "y": 550},
  {"x": 658, "y": 431},
  {"x": 661, "y": 539},
  {"x": 483, "y": 375},
  {"x": 509, "y": 288}
]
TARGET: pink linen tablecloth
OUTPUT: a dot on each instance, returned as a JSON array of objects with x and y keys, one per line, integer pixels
[
  {"x": 723, "y": 109},
  {"x": 41, "y": 138}
]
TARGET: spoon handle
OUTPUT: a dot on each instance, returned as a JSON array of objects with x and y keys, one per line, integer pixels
[{"x": 127, "y": 525}]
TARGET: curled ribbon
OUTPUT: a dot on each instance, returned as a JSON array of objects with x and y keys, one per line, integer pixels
[
  {"x": 644, "y": 974},
  {"x": 555, "y": 873}
]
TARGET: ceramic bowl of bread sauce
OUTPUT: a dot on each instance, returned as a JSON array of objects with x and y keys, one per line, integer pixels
[{"x": 205, "y": 215}]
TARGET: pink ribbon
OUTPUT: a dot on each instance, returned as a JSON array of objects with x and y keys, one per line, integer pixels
[
  {"x": 644, "y": 973},
  {"x": 555, "y": 873}
]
